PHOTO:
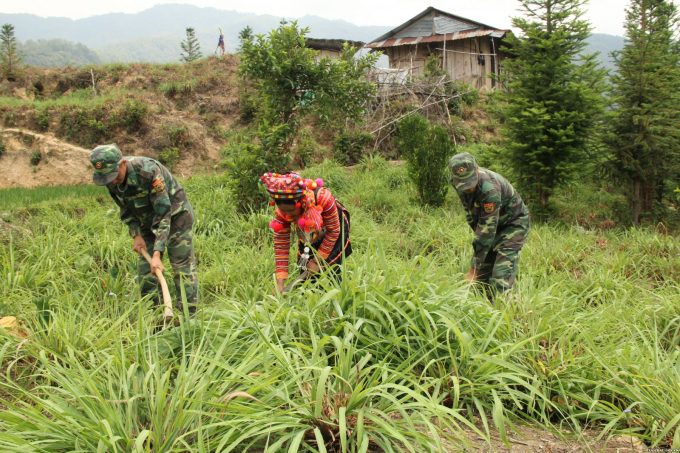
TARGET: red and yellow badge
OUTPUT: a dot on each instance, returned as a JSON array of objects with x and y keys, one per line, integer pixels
[
  {"x": 461, "y": 170},
  {"x": 158, "y": 186},
  {"x": 98, "y": 165},
  {"x": 489, "y": 208}
]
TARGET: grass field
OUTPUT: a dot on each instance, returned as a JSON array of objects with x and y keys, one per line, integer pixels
[
  {"x": 401, "y": 356},
  {"x": 16, "y": 198}
]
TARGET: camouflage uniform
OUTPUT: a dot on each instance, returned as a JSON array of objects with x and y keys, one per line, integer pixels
[
  {"x": 497, "y": 215},
  {"x": 153, "y": 205}
]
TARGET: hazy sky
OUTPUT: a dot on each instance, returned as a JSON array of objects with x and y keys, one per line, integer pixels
[{"x": 606, "y": 16}]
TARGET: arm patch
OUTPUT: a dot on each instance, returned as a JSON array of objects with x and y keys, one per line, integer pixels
[
  {"x": 489, "y": 208},
  {"x": 158, "y": 185}
]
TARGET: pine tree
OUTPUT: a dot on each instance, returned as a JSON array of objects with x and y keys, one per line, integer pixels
[
  {"x": 10, "y": 56},
  {"x": 246, "y": 34},
  {"x": 191, "y": 47},
  {"x": 554, "y": 97},
  {"x": 644, "y": 133}
]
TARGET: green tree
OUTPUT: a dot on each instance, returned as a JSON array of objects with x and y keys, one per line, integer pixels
[
  {"x": 191, "y": 49},
  {"x": 291, "y": 81},
  {"x": 246, "y": 34},
  {"x": 644, "y": 130},
  {"x": 427, "y": 150},
  {"x": 10, "y": 56},
  {"x": 554, "y": 97}
]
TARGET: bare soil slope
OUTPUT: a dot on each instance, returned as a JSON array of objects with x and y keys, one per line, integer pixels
[{"x": 175, "y": 113}]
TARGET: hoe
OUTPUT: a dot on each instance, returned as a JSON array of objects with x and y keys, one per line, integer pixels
[{"x": 167, "y": 302}]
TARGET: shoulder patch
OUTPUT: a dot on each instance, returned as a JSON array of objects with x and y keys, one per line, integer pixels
[
  {"x": 489, "y": 208},
  {"x": 158, "y": 185}
]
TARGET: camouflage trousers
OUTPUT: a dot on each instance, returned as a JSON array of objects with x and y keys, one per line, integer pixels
[
  {"x": 500, "y": 267},
  {"x": 180, "y": 249}
]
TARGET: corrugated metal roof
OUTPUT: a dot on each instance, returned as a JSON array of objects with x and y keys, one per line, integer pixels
[
  {"x": 422, "y": 27},
  {"x": 439, "y": 13},
  {"x": 394, "y": 42},
  {"x": 443, "y": 24}
]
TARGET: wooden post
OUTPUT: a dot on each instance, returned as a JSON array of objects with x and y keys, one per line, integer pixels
[
  {"x": 444, "y": 59},
  {"x": 94, "y": 88}
]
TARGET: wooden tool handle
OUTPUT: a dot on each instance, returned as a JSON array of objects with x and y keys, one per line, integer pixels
[{"x": 167, "y": 301}]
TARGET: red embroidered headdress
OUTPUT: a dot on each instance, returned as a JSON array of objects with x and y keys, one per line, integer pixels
[{"x": 291, "y": 186}]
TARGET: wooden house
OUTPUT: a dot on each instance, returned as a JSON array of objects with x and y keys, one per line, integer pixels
[{"x": 468, "y": 50}]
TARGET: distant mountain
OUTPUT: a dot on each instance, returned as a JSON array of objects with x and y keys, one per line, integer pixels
[
  {"x": 154, "y": 35},
  {"x": 605, "y": 44},
  {"x": 169, "y": 22},
  {"x": 149, "y": 50},
  {"x": 57, "y": 53}
]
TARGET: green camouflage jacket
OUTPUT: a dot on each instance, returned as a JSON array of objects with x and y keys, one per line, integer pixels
[
  {"x": 149, "y": 199},
  {"x": 494, "y": 206}
]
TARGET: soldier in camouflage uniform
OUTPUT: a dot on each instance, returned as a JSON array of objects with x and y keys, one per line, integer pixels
[
  {"x": 499, "y": 218},
  {"x": 158, "y": 214}
]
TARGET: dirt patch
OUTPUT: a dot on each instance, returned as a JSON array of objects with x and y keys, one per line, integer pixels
[
  {"x": 62, "y": 163},
  {"x": 530, "y": 439},
  {"x": 156, "y": 111}
]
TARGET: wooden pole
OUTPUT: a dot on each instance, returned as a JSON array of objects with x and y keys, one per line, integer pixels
[
  {"x": 94, "y": 87},
  {"x": 444, "y": 56},
  {"x": 167, "y": 301}
]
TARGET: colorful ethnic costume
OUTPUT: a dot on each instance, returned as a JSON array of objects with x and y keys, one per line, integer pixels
[
  {"x": 498, "y": 217},
  {"x": 323, "y": 228}
]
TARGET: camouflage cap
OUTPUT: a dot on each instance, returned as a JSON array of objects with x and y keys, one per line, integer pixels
[
  {"x": 105, "y": 159},
  {"x": 463, "y": 169}
]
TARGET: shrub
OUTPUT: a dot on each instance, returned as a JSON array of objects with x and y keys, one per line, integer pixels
[
  {"x": 427, "y": 150},
  {"x": 307, "y": 147},
  {"x": 349, "y": 147},
  {"x": 9, "y": 119},
  {"x": 169, "y": 157},
  {"x": 249, "y": 104},
  {"x": 99, "y": 131},
  {"x": 42, "y": 119},
  {"x": 36, "y": 157},
  {"x": 178, "y": 136},
  {"x": 253, "y": 161},
  {"x": 466, "y": 95},
  {"x": 87, "y": 127},
  {"x": 170, "y": 89},
  {"x": 133, "y": 114},
  {"x": 235, "y": 139}
]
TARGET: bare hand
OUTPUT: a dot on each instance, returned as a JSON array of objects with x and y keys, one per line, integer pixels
[
  {"x": 139, "y": 244},
  {"x": 156, "y": 262},
  {"x": 279, "y": 285},
  {"x": 471, "y": 276},
  {"x": 312, "y": 265}
]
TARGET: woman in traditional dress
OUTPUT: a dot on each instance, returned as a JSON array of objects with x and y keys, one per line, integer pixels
[{"x": 322, "y": 225}]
